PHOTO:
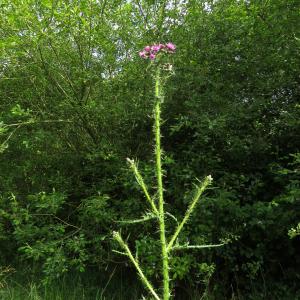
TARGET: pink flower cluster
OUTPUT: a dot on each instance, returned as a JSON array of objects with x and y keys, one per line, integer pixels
[{"x": 151, "y": 51}]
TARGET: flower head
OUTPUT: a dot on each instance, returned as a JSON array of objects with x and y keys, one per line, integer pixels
[
  {"x": 171, "y": 46},
  {"x": 142, "y": 54},
  {"x": 152, "y": 56},
  {"x": 155, "y": 48},
  {"x": 152, "y": 51}
]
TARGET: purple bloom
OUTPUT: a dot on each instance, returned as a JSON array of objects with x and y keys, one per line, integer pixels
[
  {"x": 152, "y": 56},
  {"x": 171, "y": 46},
  {"x": 142, "y": 54},
  {"x": 155, "y": 48},
  {"x": 151, "y": 51}
]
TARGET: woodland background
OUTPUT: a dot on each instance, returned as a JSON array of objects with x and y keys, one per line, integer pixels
[{"x": 76, "y": 101}]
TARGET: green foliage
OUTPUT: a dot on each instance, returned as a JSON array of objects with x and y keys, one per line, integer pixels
[
  {"x": 5, "y": 272},
  {"x": 293, "y": 232},
  {"x": 42, "y": 236}
]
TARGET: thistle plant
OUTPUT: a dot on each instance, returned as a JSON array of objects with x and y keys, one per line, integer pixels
[{"x": 158, "y": 55}]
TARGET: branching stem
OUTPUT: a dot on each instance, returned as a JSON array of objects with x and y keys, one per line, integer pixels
[
  {"x": 157, "y": 207},
  {"x": 186, "y": 247},
  {"x": 199, "y": 192},
  {"x": 142, "y": 184},
  {"x": 144, "y": 279}
]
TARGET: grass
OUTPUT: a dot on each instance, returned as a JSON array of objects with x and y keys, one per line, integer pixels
[
  {"x": 71, "y": 287},
  {"x": 122, "y": 285},
  {"x": 68, "y": 290}
]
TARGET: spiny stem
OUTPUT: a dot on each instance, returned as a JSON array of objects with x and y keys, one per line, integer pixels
[
  {"x": 199, "y": 192},
  {"x": 164, "y": 252},
  {"x": 186, "y": 247},
  {"x": 146, "y": 218},
  {"x": 142, "y": 184},
  {"x": 144, "y": 279}
]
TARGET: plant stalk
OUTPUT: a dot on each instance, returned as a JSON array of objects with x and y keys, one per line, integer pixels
[
  {"x": 144, "y": 279},
  {"x": 162, "y": 229}
]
